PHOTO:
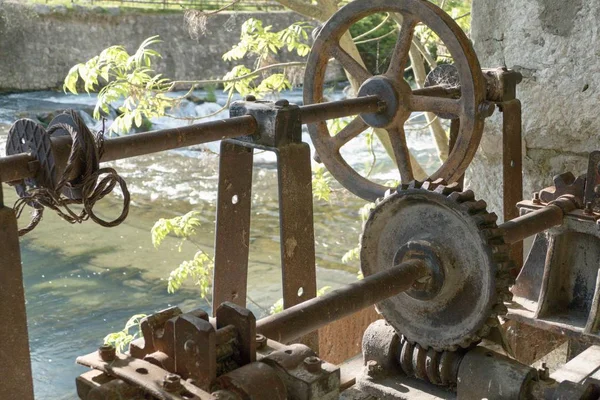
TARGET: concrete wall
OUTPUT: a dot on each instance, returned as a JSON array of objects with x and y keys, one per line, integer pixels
[
  {"x": 555, "y": 44},
  {"x": 39, "y": 45}
]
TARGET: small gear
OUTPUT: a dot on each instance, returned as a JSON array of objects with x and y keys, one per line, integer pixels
[{"x": 460, "y": 242}]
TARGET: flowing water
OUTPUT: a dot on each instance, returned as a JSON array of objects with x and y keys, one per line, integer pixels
[{"x": 84, "y": 281}]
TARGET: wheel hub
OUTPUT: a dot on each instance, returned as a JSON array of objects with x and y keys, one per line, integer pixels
[{"x": 395, "y": 94}]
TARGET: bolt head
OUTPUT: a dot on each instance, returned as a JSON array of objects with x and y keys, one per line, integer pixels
[
  {"x": 313, "y": 364},
  {"x": 373, "y": 368},
  {"x": 107, "y": 352},
  {"x": 282, "y": 103},
  {"x": 250, "y": 98},
  {"x": 172, "y": 382}
]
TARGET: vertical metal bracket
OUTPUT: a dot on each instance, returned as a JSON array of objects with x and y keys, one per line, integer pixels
[
  {"x": 512, "y": 167},
  {"x": 279, "y": 130},
  {"x": 16, "y": 381}
]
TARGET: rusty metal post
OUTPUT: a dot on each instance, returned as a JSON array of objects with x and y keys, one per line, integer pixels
[
  {"x": 15, "y": 367},
  {"x": 512, "y": 168},
  {"x": 296, "y": 224},
  {"x": 232, "y": 232}
]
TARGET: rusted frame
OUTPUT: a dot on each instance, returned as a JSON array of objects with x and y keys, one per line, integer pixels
[
  {"x": 15, "y": 366},
  {"x": 512, "y": 168},
  {"x": 232, "y": 232},
  {"x": 279, "y": 130}
]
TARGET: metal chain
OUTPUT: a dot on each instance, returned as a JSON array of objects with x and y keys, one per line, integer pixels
[{"x": 94, "y": 183}]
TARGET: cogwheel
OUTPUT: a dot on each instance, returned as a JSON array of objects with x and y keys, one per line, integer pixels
[{"x": 459, "y": 240}]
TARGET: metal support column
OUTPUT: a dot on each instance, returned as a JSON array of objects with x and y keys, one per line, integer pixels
[
  {"x": 512, "y": 168},
  {"x": 232, "y": 232},
  {"x": 15, "y": 367}
]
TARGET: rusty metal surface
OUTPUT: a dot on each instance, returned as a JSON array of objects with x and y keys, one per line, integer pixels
[
  {"x": 470, "y": 107},
  {"x": 564, "y": 184},
  {"x": 15, "y": 369},
  {"x": 537, "y": 221},
  {"x": 296, "y": 227},
  {"x": 592, "y": 184},
  {"x": 232, "y": 233},
  {"x": 244, "y": 324},
  {"x": 142, "y": 374},
  {"x": 256, "y": 381},
  {"x": 512, "y": 168},
  {"x": 469, "y": 253},
  {"x": 484, "y": 374},
  {"x": 315, "y": 313}
]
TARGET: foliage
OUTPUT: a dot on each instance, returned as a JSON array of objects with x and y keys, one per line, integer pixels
[
  {"x": 321, "y": 183},
  {"x": 262, "y": 43},
  {"x": 122, "y": 338},
  {"x": 199, "y": 270},
  {"x": 128, "y": 78},
  {"x": 182, "y": 227},
  {"x": 354, "y": 253},
  {"x": 374, "y": 51}
]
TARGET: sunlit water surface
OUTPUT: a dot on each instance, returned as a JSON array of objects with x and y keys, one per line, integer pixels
[{"x": 84, "y": 281}]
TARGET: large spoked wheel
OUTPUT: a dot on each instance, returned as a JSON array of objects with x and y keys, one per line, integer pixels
[{"x": 400, "y": 99}]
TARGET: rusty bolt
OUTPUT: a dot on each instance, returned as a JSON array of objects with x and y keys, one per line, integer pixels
[
  {"x": 373, "y": 368},
  {"x": 190, "y": 347},
  {"x": 282, "y": 103},
  {"x": 536, "y": 198},
  {"x": 261, "y": 341},
  {"x": 589, "y": 209},
  {"x": 544, "y": 372},
  {"x": 107, "y": 352},
  {"x": 313, "y": 364},
  {"x": 250, "y": 98},
  {"x": 172, "y": 383}
]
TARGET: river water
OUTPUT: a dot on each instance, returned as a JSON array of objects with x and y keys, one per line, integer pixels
[{"x": 84, "y": 281}]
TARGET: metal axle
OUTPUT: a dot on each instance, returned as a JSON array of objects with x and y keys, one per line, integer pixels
[
  {"x": 21, "y": 166},
  {"x": 313, "y": 314}
]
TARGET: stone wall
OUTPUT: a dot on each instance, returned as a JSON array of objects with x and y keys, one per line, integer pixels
[
  {"x": 555, "y": 44},
  {"x": 39, "y": 45}
]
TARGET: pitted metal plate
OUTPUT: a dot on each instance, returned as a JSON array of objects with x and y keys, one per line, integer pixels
[
  {"x": 475, "y": 271},
  {"x": 27, "y": 136}
]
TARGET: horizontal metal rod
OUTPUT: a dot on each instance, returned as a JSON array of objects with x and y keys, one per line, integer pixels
[
  {"x": 315, "y": 313},
  {"x": 21, "y": 166},
  {"x": 537, "y": 221},
  {"x": 338, "y": 109}
]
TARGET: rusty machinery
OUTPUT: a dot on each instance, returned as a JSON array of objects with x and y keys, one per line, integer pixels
[{"x": 437, "y": 266}]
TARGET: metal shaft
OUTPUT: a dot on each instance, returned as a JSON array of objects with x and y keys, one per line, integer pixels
[
  {"x": 315, "y": 313},
  {"x": 537, "y": 221},
  {"x": 20, "y": 166}
]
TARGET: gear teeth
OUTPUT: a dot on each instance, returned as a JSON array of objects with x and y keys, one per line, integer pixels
[
  {"x": 484, "y": 331},
  {"x": 485, "y": 219},
  {"x": 473, "y": 207},
  {"x": 492, "y": 322},
  {"x": 500, "y": 256},
  {"x": 500, "y": 309},
  {"x": 415, "y": 184}
]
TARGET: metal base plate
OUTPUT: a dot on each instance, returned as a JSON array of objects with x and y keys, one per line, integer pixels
[{"x": 394, "y": 387}]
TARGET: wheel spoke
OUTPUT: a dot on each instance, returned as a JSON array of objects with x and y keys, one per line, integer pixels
[
  {"x": 401, "y": 153},
  {"x": 349, "y": 132},
  {"x": 435, "y": 105},
  {"x": 400, "y": 55},
  {"x": 352, "y": 66}
]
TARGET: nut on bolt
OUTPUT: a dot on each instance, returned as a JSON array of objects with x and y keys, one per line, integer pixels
[
  {"x": 261, "y": 341},
  {"x": 107, "y": 352},
  {"x": 536, "y": 198},
  {"x": 313, "y": 364},
  {"x": 250, "y": 97},
  {"x": 282, "y": 103},
  {"x": 172, "y": 383}
]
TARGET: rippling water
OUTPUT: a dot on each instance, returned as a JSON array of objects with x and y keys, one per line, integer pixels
[{"x": 84, "y": 281}]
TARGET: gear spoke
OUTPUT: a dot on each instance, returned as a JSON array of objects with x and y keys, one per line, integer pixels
[
  {"x": 403, "y": 43},
  {"x": 348, "y": 62},
  {"x": 435, "y": 104},
  {"x": 349, "y": 132},
  {"x": 401, "y": 153}
]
